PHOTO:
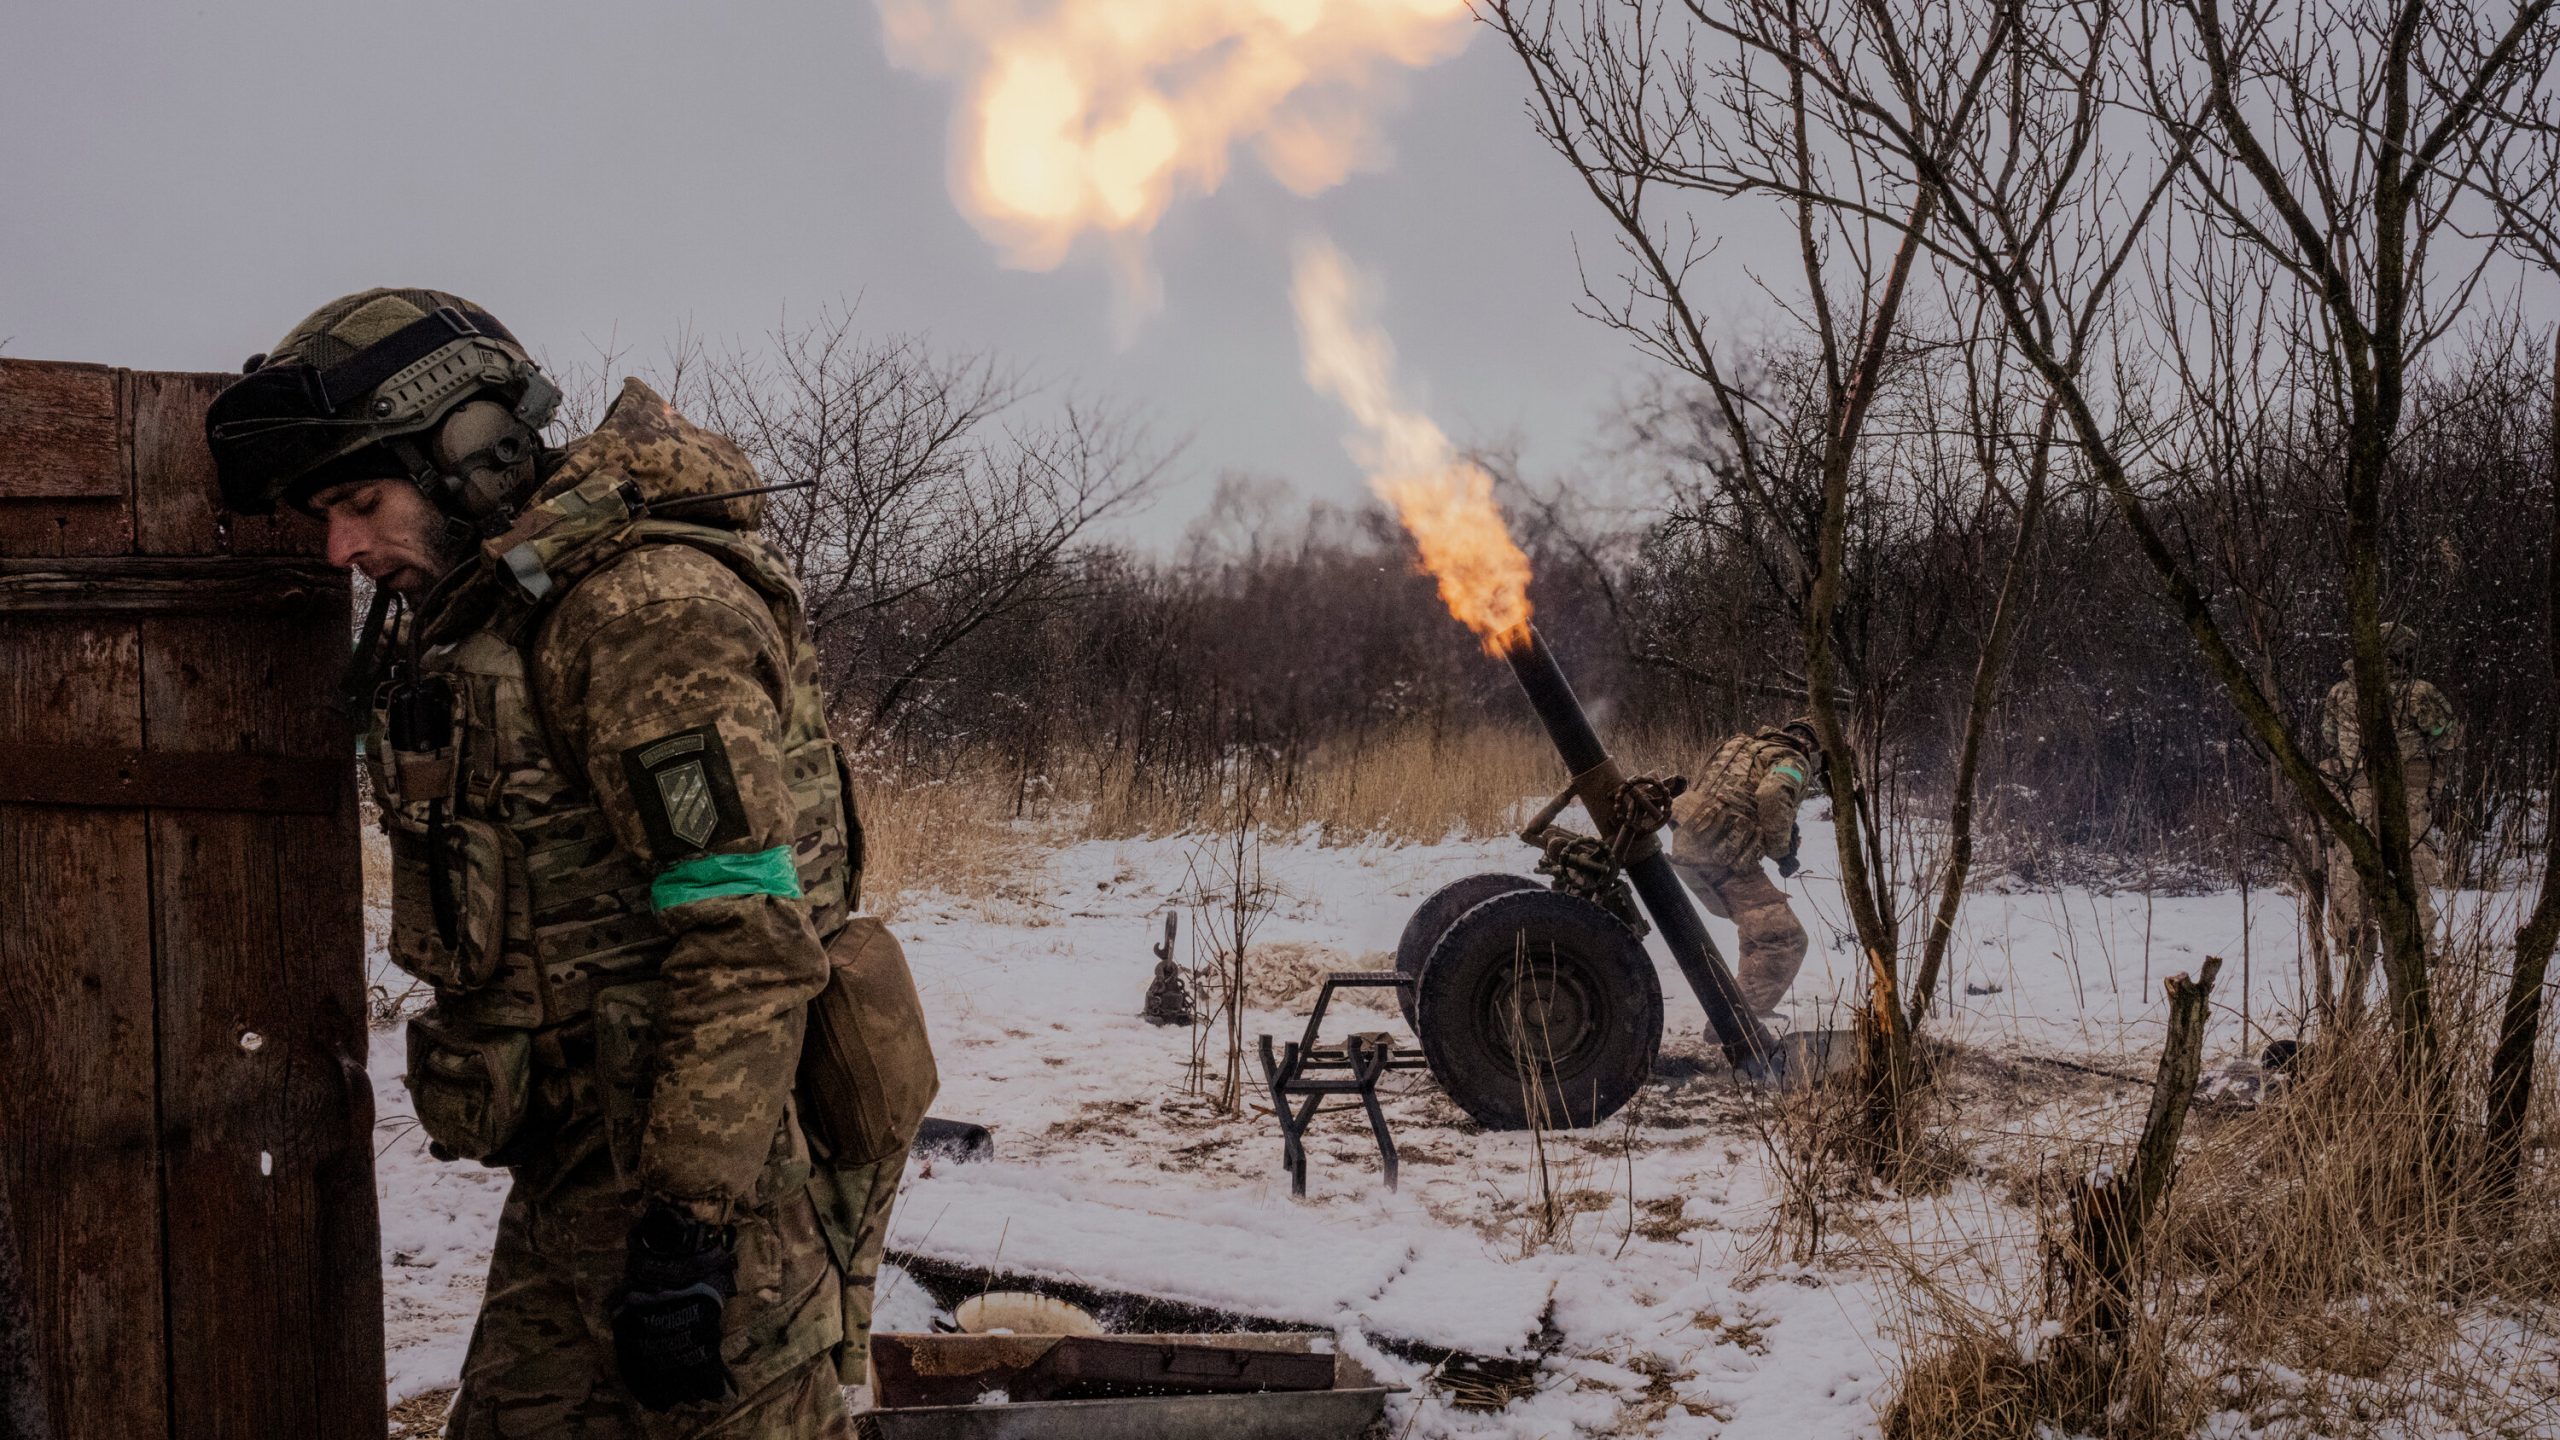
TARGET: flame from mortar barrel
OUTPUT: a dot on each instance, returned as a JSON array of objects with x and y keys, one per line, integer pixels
[
  {"x": 1444, "y": 501},
  {"x": 1446, "y": 505}
]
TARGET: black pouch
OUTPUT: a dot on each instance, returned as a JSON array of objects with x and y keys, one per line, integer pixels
[{"x": 471, "y": 1084}]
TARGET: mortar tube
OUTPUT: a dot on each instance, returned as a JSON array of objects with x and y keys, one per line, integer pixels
[{"x": 1747, "y": 1043}]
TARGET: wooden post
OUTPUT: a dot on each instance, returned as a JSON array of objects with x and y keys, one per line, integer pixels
[
  {"x": 183, "y": 1051},
  {"x": 21, "y": 1383},
  {"x": 2111, "y": 1211}
]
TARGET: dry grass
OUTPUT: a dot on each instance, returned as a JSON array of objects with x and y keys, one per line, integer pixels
[
  {"x": 421, "y": 1416},
  {"x": 973, "y": 830},
  {"x": 956, "y": 835},
  {"x": 2322, "y": 1267},
  {"x": 1422, "y": 786}
]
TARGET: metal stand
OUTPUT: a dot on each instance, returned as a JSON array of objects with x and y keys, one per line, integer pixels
[{"x": 1359, "y": 1062}]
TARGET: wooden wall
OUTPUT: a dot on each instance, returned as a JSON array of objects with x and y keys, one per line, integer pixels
[{"x": 188, "y": 1146}]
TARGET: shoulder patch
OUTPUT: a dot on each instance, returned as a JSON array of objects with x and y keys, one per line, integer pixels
[
  {"x": 685, "y": 792},
  {"x": 1788, "y": 768}
]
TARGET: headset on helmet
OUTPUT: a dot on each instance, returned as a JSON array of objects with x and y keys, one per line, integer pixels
[{"x": 383, "y": 383}]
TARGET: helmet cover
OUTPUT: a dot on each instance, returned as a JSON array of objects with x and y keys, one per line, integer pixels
[{"x": 359, "y": 370}]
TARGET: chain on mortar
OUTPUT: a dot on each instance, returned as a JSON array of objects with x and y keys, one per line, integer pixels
[{"x": 1594, "y": 868}]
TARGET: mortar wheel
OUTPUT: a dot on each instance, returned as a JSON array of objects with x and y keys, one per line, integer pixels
[
  {"x": 1539, "y": 1005},
  {"x": 1434, "y": 919}
]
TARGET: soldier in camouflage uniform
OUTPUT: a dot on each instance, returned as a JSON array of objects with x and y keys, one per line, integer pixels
[
  {"x": 2424, "y": 723},
  {"x": 621, "y": 840},
  {"x": 1739, "y": 811}
]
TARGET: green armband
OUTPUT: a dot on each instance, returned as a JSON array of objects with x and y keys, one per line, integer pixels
[{"x": 709, "y": 877}]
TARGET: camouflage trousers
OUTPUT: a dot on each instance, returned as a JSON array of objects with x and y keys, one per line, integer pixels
[
  {"x": 2354, "y": 937},
  {"x": 1773, "y": 944},
  {"x": 853, "y": 1209},
  {"x": 541, "y": 1360}
]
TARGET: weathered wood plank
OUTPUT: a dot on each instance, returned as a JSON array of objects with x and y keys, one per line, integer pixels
[
  {"x": 182, "y": 1286},
  {"x": 100, "y": 778},
  {"x": 275, "y": 1254},
  {"x": 59, "y": 432},
  {"x": 77, "y": 1041},
  {"x": 154, "y": 585},
  {"x": 177, "y": 503},
  {"x": 322, "y": 933},
  {"x": 22, "y": 1407},
  {"x": 65, "y": 527}
]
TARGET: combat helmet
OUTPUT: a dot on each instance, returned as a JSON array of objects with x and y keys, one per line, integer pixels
[
  {"x": 1800, "y": 733},
  {"x": 383, "y": 383},
  {"x": 2399, "y": 642}
]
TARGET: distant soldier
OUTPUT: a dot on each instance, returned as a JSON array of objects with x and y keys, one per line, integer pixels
[
  {"x": 1739, "y": 811},
  {"x": 620, "y": 849},
  {"x": 2428, "y": 734}
]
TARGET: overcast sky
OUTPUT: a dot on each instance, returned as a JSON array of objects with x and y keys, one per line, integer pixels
[{"x": 180, "y": 184}]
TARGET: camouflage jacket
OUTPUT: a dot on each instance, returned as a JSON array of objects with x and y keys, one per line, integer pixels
[
  {"x": 2423, "y": 719},
  {"x": 1741, "y": 808},
  {"x": 627, "y": 857}
]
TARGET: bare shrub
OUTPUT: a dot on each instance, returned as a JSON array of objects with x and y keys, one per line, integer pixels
[
  {"x": 1810, "y": 1136},
  {"x": 1229, "y": 899},
  {"x": 2317, "y": 1268}
]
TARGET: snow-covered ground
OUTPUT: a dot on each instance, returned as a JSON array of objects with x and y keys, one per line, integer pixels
[{"x": 1658, "y": 1306}]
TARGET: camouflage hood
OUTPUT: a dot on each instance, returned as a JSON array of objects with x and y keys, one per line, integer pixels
[
  {"x": 664, "y": 456},
  {"x": 643, "y": 461}
]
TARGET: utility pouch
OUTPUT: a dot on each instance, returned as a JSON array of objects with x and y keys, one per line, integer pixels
[
  {"x": 457, "y": 897},
  {"x": 1711, "y": 835},
  {"x": 1735, "y": 845},
  {"x": 421, "y": 774},
  {"x": 866, "y": 1069},
  {"x": 420, "y": 757},
  {"x": 626, "y": 1018},
  {"x": 470, "y": 1083}
]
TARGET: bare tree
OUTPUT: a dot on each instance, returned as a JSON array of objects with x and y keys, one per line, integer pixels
[
  {"x": 941, "y": 496},
  {"x": 2336, "y": 145},
  {"x": 1987, "y": 404},
  {"x": 1663, "y": 109}
]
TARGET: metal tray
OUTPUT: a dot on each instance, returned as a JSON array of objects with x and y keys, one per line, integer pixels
[{"x": 1348, "y": 1411}]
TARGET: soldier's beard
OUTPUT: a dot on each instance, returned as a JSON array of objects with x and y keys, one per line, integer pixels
[{"x": 445, "y": 548}]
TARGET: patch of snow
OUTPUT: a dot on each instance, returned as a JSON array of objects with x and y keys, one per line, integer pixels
[{"x": 1646, "y": 1297}]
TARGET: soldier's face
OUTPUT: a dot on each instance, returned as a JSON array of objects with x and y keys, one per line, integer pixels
[{"x": 388, "y": 530}]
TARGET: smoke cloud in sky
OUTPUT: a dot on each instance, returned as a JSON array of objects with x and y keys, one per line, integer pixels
[
  {"x": 154, "y": 222},
  {"x": 1091, "y": 117}
]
